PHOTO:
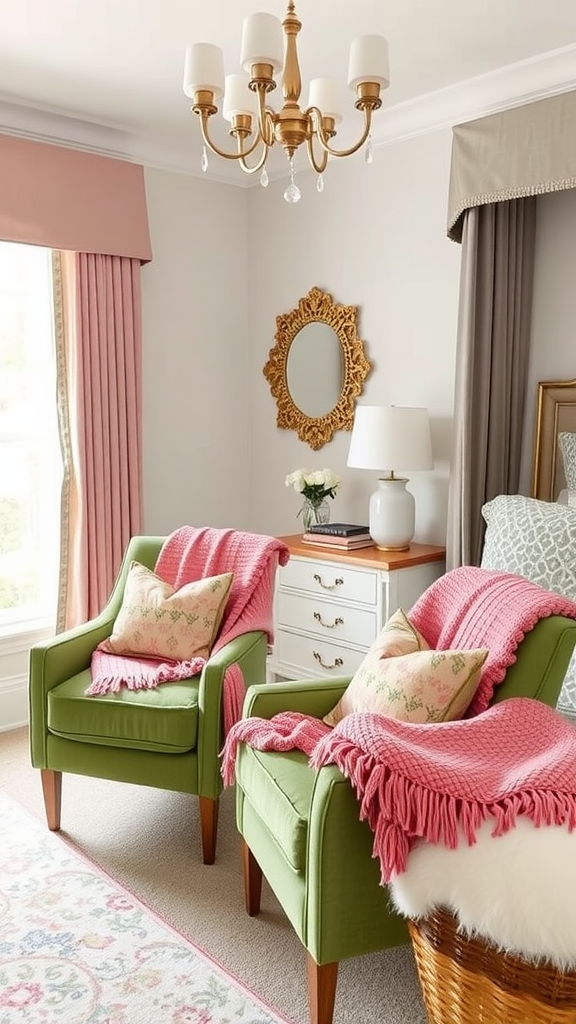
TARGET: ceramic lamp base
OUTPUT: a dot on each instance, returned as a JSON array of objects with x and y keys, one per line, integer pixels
[{"x": 392, "y": 515}]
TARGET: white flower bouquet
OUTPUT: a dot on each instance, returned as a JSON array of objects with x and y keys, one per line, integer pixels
[{"x": 314, "y": 486}]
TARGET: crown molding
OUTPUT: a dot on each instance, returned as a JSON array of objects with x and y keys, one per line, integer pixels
[
  {"x": 548, "y": 74},
  {"x": 525, "y": 82}
]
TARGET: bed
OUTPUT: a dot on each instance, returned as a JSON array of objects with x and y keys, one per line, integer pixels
[
  {"x": 555, "y": 413},
  {"x": 535, "y": 536}
]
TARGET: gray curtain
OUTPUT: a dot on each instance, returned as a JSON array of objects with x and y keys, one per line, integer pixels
[{"x": 498, "y": 241}]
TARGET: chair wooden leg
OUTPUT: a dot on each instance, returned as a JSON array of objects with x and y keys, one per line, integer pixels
[
  {"x": 208, "y": 828},
  {"x": 252, "y": 880},
  {"x": 52, "y": 789},
  {"x": 322, "y": 980}
]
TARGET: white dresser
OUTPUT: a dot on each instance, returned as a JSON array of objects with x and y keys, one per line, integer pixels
[{"x": 329, "y": 606}]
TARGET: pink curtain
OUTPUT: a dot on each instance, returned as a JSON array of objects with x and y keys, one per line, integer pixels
[{"x": 99, "y": 397}]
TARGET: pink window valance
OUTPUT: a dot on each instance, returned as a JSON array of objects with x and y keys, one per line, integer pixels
[{"x": 68, "y": 199}]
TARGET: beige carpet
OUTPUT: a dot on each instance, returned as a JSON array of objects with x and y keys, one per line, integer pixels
[{"x": 148, "y": 840}]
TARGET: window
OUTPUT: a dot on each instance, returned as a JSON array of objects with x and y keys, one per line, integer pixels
[{"x": 30, "y": 463}]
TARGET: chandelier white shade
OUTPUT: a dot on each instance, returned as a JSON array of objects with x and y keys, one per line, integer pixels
[
  {"x": 204, "y": 66},
  {"x": 388, "y": 439},
  {"x": 262, "y": 41},
  {"x": 268, "y": 47}
]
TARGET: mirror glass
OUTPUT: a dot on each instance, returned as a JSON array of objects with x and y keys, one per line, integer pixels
[{"x": 315, "y": 369}]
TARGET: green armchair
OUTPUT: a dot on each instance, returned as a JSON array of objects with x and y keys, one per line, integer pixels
[
  {"x": 169, "y": 738},
  {"x": 301, "y": 829}
]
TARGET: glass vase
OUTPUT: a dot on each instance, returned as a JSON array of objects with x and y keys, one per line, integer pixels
[{"x": 314, "y": 512}]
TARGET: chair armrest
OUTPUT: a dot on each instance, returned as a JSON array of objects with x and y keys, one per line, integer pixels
[
  {"x": 248, "y": 652},
  {"x": 64, "y": 655},
  {"x": 309, "y": 696},
  {"x": 340, "y": 860},
  {"x": 51, "y": 663}
]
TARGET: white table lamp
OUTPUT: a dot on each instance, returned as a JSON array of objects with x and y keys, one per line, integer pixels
[{"x": 388, "y": 439}]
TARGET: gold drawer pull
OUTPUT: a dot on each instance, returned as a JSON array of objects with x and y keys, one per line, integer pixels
[
  {"x": 329, "y": 586},
  {"x": 328, "y": 625},
  {"x": 337, "y": 664}
]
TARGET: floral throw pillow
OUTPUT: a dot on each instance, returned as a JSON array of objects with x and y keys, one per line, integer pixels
[
  {"x": 156, "y": 621},
  {"x": 427, "y": 686},
  {"x": 398, "y": 637}
]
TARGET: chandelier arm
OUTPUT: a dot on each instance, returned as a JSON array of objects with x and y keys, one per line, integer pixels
[
  {"x": 318, "y": 167},
  {"x": 261, "y": 161},
  {"x": 265, "y": 119},
  {"x": 220, "y": 152},
  {"x": 323, "y": 140}
]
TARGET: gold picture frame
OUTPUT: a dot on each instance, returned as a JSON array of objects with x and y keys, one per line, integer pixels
[
  {"x": 317, "y": 307},
  {"x": 556, "y": 412}
]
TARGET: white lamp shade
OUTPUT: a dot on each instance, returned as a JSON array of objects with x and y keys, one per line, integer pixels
[
  {"x": 390, "y": 438},
  {"x": 238, "y": 98},
  {"x": 369, "y": 61},
  {"x": 204, "y": 70},
  {"x": 262, "y": 41},
  {"x": 325, "y": 93}
]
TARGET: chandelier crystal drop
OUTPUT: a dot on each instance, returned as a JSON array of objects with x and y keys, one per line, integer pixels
[
  {"x": 269, "y": 47},
  {"x": 369, "y": 151},
  {"x": 292, "y": 193}
]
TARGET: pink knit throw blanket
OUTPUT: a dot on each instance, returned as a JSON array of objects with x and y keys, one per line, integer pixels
[
  {"x": 471, "y": 607},
  {"x": 436, "y": 781},
  {"x": 191, "y": 554}
]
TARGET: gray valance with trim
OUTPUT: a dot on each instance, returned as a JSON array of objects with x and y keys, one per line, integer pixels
[{"x": 524, "y": 151}]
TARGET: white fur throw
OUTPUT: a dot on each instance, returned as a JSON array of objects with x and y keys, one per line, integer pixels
[{"x": 517, "y": 891}]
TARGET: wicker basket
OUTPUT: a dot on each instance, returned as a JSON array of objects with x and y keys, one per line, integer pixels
[{"x": 465, "y": 981}]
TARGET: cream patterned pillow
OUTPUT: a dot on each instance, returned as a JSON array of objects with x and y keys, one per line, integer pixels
[
  {"x": 159, "y": 622},
  {"x": 397, "y": 637},
  {"x": 427, "y": 686},
  {"x": 567, "y": 446}
]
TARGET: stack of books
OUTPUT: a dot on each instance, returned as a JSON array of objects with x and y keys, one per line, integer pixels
[{"x": 344, "y": 536}]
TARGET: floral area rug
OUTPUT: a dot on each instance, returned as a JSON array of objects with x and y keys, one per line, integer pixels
[{"x": 77, "y": 948}]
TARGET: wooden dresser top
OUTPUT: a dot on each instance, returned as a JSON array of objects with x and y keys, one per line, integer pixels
[{"x": 370, "y": 557}]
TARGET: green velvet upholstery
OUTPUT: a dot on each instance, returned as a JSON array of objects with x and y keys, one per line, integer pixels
[
  {"x": 169, "y": 737},
  {"x": 302, "y": 831}
]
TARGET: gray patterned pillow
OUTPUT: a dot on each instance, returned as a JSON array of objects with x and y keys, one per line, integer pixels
[
  {"x": 567, "y": 446},
  {"x": 535, "y": 539}
]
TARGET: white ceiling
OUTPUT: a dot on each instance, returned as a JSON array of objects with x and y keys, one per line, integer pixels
[{"x": 118, "y": 63}]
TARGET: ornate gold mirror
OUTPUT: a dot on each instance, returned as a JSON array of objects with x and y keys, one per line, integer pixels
[{"x": 317, "y": 368}]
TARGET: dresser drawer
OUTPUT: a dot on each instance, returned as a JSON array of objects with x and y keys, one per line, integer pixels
[
  {"x": 330, "y": 579},
  {"x": 330, "y": 620},
  {"x": 315, "y": 657}
]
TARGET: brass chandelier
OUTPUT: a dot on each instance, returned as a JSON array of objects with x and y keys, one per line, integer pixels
[{"x": 268, "y": 47}]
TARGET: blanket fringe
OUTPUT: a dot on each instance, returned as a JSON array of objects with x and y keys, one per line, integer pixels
[
  {"x": 399, "y": 810},
  {"x": 288, "y": 731},
  {"x": 162, "y": 673}
]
